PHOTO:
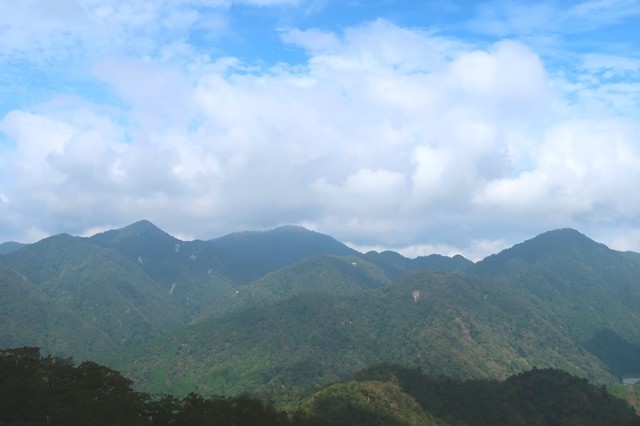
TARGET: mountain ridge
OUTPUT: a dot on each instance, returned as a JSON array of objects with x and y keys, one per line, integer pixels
[
  {"x": 566, "y": 242},
  {"x": 559, "y": 299},
  {"x": 268, "y": 248},
  {"x": 10, "y": 247}
]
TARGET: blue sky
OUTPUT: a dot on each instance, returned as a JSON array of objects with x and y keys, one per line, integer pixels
[{"x": 432, "y": 126}]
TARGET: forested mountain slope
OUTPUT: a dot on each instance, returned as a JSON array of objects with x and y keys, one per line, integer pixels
[
  {"x": 320, "y": 273},
  {"x": 558, "y": 300},
  {"x": 591, "y": 291},
  {"x": 195, "y": 273},
  {"x": 453, "y": 324},
  {"x": 109, "y": 302},
  {"x": 281, "y": 246}
]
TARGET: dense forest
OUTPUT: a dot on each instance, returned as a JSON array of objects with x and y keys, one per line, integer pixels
[
  {"x": 46, "y": 390},
  {"x": 43, "y": 390},
  {"x": 298, "y": 319}
]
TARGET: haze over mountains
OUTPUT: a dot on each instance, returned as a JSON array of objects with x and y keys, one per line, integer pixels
[{"x": 284, "y": 311}]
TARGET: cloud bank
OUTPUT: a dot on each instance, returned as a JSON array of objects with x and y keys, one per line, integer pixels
[{"x": 384, "y": 136}]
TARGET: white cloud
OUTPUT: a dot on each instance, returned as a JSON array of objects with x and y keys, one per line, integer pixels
[
  {"x": 627, "y": 239},
  {"x": 577, "y": 169},
  {"x": 312, "y": 39},
  {"x": 387, "y": 134},
  {"x": 27, "y": 130}
]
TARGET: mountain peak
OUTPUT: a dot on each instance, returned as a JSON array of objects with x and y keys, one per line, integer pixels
[
  {"x": 10, "y": 247},
  {"x": 557, "y": 241},
  {"x": 563, "y": 234},
  {"x": 564, "y": 242},
  {"x": 135, "y": 238},
  {"x": 281, "y": 246},
  {"x": 143, "y": 225},
  {"x": 294, "y": 228},
  {"x": 136, "y": 229}
]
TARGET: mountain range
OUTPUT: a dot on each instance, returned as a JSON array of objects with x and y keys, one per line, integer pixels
[{"x": 283, "y": 312}]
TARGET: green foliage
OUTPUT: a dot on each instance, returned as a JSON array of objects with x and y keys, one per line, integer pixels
[
  {"x": 448, "y": 324},
  {"x": 37, "y": 390},
  {"x": 196, "y": 274},
  {"x": 365, "y": 403},
  {"x": 559, "y": 300},
  {"x": 89, "y": 301},
  {"x": 588, "y": 290},
  {"x": 536, "y": 397},
  {"x": 46, "y": 390},
  {"x": 320, "y": 273}
]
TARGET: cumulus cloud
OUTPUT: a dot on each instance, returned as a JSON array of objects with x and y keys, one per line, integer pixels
[
  {"x": 312, "y": 39},
  {"x": 384, "y": 136}
]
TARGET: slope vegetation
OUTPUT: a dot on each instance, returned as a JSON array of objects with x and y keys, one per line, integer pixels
[{"x": 110, "y": 302}]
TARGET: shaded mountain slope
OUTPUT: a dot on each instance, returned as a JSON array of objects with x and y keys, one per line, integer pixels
[
  {"x": 280, "y": 247},
  {"x": 29, "y": 317},
  {"x": 112, "y": 299},
  {"x": 10, "y": 247}
]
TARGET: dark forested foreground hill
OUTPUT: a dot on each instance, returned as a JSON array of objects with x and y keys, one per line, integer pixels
[
  {"x": 45, "y": 390},
  {"x": 37, "y": 389},
  {"x": 536, "y": 397}
]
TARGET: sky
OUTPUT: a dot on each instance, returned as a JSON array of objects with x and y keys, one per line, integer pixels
[{"x": 418, "y": 126}]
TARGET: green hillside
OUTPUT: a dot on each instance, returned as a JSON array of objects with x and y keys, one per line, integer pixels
[
  {"x": 366, "y": 403},
  {"x": 536, "y": 397},
  {"x": 182, "y": 316},
  {"x": 320, "y": 273},
  {"x": 111, "y": 303},
  {"x": 452, "y": 324},
  {"x": 591, "y": 291},
  {"x": 28, "y": 316},
  {"x": 196, "y": 274}
]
